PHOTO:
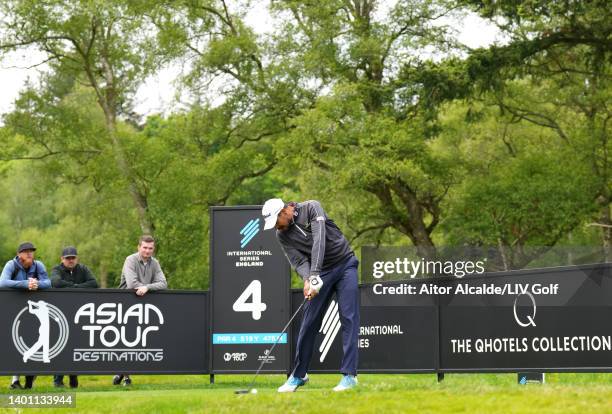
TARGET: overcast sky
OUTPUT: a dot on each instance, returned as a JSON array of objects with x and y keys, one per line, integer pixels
[{"x": 157, "y": 94}]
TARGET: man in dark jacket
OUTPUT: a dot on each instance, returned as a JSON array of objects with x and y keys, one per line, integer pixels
[
  {"x": 321, "y": 255},
  {"x": 71, "y": 274}
]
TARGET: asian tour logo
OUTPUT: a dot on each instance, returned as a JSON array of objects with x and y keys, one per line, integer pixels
[
  {"x": 249, "y": 231},
  {"x": 118, "y": 334},
  {"x": 45, "y": 313}
]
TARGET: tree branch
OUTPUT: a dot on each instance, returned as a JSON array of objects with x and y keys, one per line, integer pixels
[{"x": 370, "y": 228}]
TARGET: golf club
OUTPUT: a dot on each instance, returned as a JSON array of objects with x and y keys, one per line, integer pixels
[{"x": 269, "y": 352}]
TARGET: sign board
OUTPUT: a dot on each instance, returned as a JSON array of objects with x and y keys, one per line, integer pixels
[
  {"x": 103, "y": 331},
  {"x": 249, "y": 291},
  {"x": 396, "y": 334},
  {"x": 550, "y": 319}
]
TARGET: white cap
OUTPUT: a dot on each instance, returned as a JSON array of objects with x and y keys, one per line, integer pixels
[{"x": 270, "y": 211}]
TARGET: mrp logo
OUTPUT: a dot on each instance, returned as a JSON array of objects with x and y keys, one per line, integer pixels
[
  {"x": 235, "y": 356},
  {"x": 44, "y": 313},
  {"x": 249, "y": 231},
  {"x": 330, "y": 328},
  {"x": 116, "y": 334}
]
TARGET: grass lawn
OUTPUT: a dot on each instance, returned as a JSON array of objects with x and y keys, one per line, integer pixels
[{"x": 469, "y": 393}]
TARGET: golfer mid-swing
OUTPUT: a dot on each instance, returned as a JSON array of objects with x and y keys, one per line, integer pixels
[{"x": 321, "y": 255}]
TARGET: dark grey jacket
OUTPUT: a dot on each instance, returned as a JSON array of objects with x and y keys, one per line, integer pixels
[
  {"x": 79, "y": 277},
  {"x": 313, "y": 243}
]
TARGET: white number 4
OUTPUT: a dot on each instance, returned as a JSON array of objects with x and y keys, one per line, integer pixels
[{"x": 256, "y": 306}]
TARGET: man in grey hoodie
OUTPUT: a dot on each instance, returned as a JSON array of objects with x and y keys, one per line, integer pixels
[{"x": 141, "y": 272}]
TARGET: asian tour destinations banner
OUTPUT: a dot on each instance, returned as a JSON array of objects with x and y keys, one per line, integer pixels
[
  {"x": 103, "y": 331},
  {"x": 250, "y": 293}
]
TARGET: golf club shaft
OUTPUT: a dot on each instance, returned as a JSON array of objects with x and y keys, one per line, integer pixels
[{"x": 276, "y": 342}]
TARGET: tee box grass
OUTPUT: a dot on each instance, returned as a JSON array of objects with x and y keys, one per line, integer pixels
[{"x": 380, "y": 393}]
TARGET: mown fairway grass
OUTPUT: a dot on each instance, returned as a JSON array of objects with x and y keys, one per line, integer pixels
[{"x": 458, "y": 393}]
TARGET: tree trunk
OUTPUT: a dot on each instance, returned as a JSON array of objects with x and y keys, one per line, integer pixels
[
  {"x": 606, "y": 232},
  {"x": 139, "y": 199},
  {"x": 502, "y": 252},
  {"x": 103, "y": 275},
  {"x": 424, "y": 245},
  {"x": 570, "y": 255},
  {"x": 408, "y": 221}
]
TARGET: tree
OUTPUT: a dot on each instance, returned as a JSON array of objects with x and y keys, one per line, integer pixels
[
  {"x": 564, "y": 48},
  {"x": 326, "y": 54},
  {"x": 522, "y": 193},
  {"x": 105, "y": 45}
]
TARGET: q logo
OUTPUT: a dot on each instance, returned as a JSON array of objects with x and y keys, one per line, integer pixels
[
  {"x": 40, "y": 351},
  {"x": 530, "y": 318}
]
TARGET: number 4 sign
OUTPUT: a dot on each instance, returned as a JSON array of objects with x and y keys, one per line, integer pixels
[
  {"x": 245, "y": 260},
  {"x": 256, "y": 306}
]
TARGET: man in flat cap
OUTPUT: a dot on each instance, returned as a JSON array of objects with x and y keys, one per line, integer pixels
[
  {"x": 71, "y": 274},
  {"x": 23, "y": 272}
]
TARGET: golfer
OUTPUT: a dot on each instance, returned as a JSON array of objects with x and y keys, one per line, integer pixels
[{"x": 321, "y": 255}]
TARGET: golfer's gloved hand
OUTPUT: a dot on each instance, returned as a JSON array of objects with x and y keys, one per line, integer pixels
[{"x": 315, "y": 283}]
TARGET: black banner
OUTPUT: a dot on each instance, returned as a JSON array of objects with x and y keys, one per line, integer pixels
[
  {"x": 396, "y": 334},
  {"x": 103, "y": 331},
  {"x": 249, "y": 291},
  {"x": 554, "y": 319},
  {"x": 551, "y": 319}
]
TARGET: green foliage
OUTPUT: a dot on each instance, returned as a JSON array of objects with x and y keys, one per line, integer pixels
[{"x": 344, "y": 102}]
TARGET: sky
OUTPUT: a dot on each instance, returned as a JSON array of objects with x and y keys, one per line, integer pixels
[{"x": 158, "y": 93}]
